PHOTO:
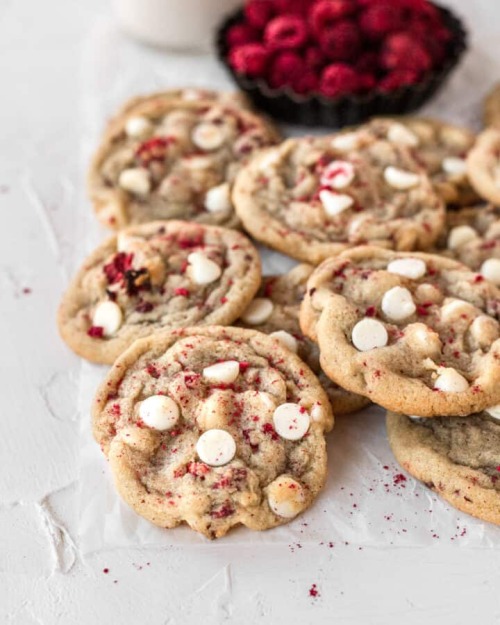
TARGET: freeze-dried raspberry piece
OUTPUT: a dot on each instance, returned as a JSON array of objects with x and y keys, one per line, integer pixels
[
  {"x": 325, "y": 13},
  {"x": 285, "y": 69},
  {"x": 338, "y": 79},
  {"x": 154, "y": 149},
  {"x": 399, "y": 78},
  {"x": 250, "y": 59},
  {"x": 286, "y": 32},
  {"x": 341, "y": 42},
  {"x": 402, "y": 51},
  {"x": 240, "y": 34},
  {"x": 259, "y": 12},
  {"x": 378, "y": 20},
  {"x": 306, "y": 83}
]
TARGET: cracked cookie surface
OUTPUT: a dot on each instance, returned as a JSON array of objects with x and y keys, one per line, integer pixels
[
  {"x": 214, "y": 427},
  {"x": 457, "y": 457},
  {"x": 158, "y": 275},
  {"x": 165, "y": 158},
  {"x": 275, "y": 311},
  {"x": 483, "y": 165},
  {"x": 416, "y": 333},
  {"x": 311, "y": 198}
]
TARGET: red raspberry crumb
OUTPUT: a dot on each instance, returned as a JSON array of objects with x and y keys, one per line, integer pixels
[
  {"x": 378, "y": 20},
  {"x": 325, "y": 13},
  {"x": 96, "y": 332},
  {"x": 313, "y": 591},
  {"x": 154, "y": 149},
  {"x": 259, "y": 12},
  {"x": 338, "y": 79},
  {"x": 182, "y": 292},
  {"x": 250, "y": 59},
  {"x": 397, "y": 79},
  {"x": 341, "y": 42},
  {"x": 239, "y": 34},
  {"x": 402, "y": 51},
  {"x": 115, "y": 270},
  {"x": 268, "y": 428},
  {"x": 224, "y": 511},
  {"x": 286, "y": 68},
  {"x": 286, "y": 32}
]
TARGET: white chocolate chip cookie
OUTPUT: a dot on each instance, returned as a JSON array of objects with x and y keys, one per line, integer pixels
[
  {"x": 159, "y": 275},
  {"x": 318, "y": 199},
  {"x": 483, "y": 165},
  {"x": 213, "y": 427},
  {"x": 164, "y": 157},
  {"x": 417, "y": 337}
]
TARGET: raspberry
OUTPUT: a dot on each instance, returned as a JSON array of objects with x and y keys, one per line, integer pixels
[
  {"x": 341, "y": 42},
  {"x": 286, "y": 68},
  {"x": 154, "y": 149},
  {"x": 367, "y": 62},
  {"x": 314, "y": 58},
  {"x": 338, "y": 79},
  {"x": 292, "y": 7},
  {"x": 259, "y": 12},
  {"x": 239, "y": 34},
  {"x": 380, "y": 19},
  {"x": 285, "y": 33},
  {"x": 250, "y": 59},
  {"x": 367, "y": 81},
  {"x": 395, "y": 80},
  {"x": 405, "y": 52},
  {"x": 307, "y": 83},
  {"x": 325, "y": 13}
]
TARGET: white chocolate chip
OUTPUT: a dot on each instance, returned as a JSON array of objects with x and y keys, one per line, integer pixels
[
  {"x": 490, "y": 269},
  {"x": 402, "y": 135},
  {"x": 259, "y": 310},
  {"x": 203, "y": 270},
  {"x": 398, "y": 304},
  {"x": 128, "y": 243},
  {"x": 109, "y": 317},
  {"x": 317, "y": 413},
  {"x": 454, "y": 166},
  {"x": 225, "y": 372},
  {"x": 368, "y": 334},
  {"x": 338, "y": 174},
  {"x": 346, "y": 142},
  {"x": 450, "y": 381},
  {"x": 135, "y": 180},
  {"x": 208, "y": 136},
  {"x": 159, "y": 412},
  {"x": 400, "y": 179},
  {"x": 270, "y": 159},
  {"x": 286, "y": 339},
  {"x": 291, "y": 421},
  {"x": 286, "y": 497},
  {"x": 138, "y": 127},
  {"x": 216, "y": 447},
  {"x": 423, "y": 340},
  {"x": 335, "y": 203},
  {"x": 455, "y": 309},
  {"x": 484, "y": 330},
  {"x": 218, "y": 199},
  {"x": 494, "y": 411},
  {"x": 413, "y": 268},
  {"x": 460, "y": 236}
]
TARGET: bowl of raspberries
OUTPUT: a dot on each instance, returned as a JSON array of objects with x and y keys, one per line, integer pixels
[{"x": 338, "y": 62}]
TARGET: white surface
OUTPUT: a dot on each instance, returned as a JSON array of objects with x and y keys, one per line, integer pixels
[{"x": 44, "y": 575}]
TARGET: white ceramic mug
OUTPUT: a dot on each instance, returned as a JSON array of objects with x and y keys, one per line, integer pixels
[{"x": 181, "y": 24}]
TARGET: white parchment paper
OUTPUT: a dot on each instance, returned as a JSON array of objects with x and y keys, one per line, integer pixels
[{"x": 368, "y": 499}]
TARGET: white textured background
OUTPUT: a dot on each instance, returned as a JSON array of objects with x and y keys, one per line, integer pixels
[{"x": 44, "y": 578}]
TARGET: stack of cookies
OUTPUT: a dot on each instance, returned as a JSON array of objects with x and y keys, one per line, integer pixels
[{"x": 224, "y": 383}]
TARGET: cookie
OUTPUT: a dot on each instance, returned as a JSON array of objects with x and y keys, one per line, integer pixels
[
  {"x": 472, "y": 236},
  {"x": 214, "y": 427},
  {"x": 483, "y": 165},
  {"x": 275, "y": 311},
  {"x": 416, "y": 333},
  {"x": 439, "y": 147},
  {"x": 158, "y": 275},
  {"x": 457, "y": 457},
  {"x": 311, "y": 198},
  {"x": 491, "y": 109},
  {"x": 164, "y": 158}
]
